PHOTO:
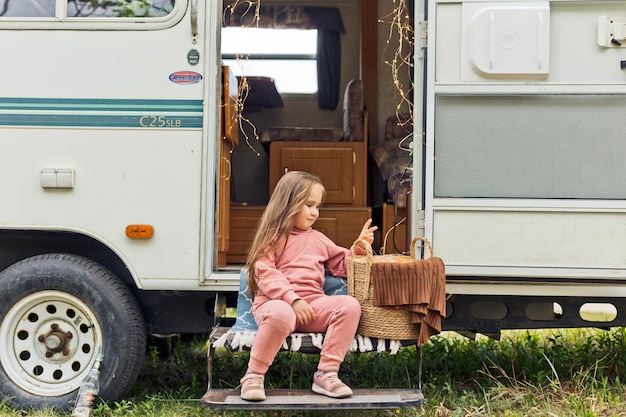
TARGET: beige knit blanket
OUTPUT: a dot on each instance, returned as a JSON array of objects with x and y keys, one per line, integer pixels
[{"x": 418, "y": 286}]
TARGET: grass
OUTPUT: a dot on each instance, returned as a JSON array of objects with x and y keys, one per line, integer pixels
[{"x": 540, "y": 373}]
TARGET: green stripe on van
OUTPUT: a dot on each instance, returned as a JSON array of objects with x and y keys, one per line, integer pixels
[{"x": 111, "y": 113}]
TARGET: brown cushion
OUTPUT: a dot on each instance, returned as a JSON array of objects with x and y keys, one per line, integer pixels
[
  {"x": 353, "y": 123},
  {"x": 308, "y": 134},
  {"x": 390, "y": 158},
  {"x": 398, "y": 186},
  {"x": 398, "y": 126}
]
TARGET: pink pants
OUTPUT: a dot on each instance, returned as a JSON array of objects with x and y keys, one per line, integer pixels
[{"x": 337, "y": 316}]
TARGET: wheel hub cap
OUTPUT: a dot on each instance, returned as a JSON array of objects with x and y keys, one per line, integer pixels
[{"x": 48, "y": 342}]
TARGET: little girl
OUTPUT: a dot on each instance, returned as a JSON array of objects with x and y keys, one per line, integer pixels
[{"x": 286, "y": 266}]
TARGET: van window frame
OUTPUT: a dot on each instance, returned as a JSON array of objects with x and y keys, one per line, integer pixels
[{"x": 62, "y": 22}]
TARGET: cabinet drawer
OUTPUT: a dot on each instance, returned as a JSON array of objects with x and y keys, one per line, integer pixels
[{"x": 341, "y": 225}]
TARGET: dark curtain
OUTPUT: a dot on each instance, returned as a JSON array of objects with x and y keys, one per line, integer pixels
[
  {"x": 328, "y": 68},
  {"x": 329, "y": 26},
  {"x": 326, "y": 20}
]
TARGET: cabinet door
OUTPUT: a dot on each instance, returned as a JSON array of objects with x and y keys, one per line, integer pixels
[
  {"x": 332, "y": 166},
  {"x": 341, "y": 167},
  {"x": 342, "y": 225}
]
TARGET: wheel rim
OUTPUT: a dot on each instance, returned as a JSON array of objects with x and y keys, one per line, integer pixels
[{"x": 49, "y": 341}]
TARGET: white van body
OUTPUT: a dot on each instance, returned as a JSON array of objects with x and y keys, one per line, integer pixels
[
  {"x": 94, "y": 101},
  {"x": 105, "y": 123},
  {"x": 110, "y": 124}
]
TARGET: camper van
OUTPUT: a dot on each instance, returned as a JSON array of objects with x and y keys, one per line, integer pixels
[{"x": 141, "y": 139}]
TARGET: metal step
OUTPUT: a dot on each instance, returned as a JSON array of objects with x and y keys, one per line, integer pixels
[{"x": 302, "y": 399}]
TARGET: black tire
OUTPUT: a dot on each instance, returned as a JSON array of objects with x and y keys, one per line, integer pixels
[{"x": 58, "y": 311}]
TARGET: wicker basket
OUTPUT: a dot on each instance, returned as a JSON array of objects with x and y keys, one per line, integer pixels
[{"x": 379, "y": 322}]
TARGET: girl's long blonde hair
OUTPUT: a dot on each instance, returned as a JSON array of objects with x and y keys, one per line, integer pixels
[{"x": 288, "y": 198}]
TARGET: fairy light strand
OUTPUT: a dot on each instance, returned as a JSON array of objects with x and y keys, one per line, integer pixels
[
  {"x": 251, "y": 8},
  {"x": 398, "y": 55}
]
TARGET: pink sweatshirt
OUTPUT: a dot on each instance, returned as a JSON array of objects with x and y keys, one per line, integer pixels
[{"x": 299, "y": 273}]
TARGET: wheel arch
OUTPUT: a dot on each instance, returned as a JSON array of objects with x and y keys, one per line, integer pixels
[
  {"x": 16, "y": 245},
  {"x": 164, "y": 312}
]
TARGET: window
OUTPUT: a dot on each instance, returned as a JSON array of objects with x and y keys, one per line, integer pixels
[
  {"x": 289, "y": 56},
  {"x": 27, "y": 8},
  {"x": 87, "y": 8},
  {"x": 119, "y": 8}
]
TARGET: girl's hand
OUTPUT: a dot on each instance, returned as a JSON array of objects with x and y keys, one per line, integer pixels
[
  {"x": 367, "y": 234},
  {"x": 304, "y": 312}
]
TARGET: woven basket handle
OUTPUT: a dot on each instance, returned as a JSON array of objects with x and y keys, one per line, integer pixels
[
  {"x": 426, "y": 243},
  {"x": 369, "y": 257},
  {"x": 368, "y": 249}
]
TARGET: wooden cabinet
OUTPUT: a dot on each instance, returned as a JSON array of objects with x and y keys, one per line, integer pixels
[
  {"x": 243, "y": 223},
  {"x": 396, "y": 242},
  {"x": 341, "y": 224},
  {"x": 341, "y": 166}
]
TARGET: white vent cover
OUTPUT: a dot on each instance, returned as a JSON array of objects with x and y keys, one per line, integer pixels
[{"x": 505, "y": 40}]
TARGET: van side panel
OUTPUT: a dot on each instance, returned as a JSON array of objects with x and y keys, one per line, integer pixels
[
  {"x": 523, "y": 159},
  {"x": 119, "y": 114}
]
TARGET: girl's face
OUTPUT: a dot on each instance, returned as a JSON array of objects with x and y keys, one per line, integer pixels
[{"x": 311, "y": 210}]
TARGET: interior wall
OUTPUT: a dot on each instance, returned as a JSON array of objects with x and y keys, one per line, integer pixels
[
  {"x": 389, "y": 98},
  {"x": 388, "y": 95}
]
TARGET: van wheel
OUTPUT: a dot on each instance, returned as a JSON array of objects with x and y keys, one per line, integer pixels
[{"x": 58, "y": 312}]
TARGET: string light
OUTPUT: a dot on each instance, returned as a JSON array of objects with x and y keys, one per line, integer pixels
[
  {"x": 251, "y": 9},
  {"x": 398, "y": 55}
]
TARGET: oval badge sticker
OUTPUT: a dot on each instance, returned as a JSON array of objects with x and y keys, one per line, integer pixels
[{"x": 185, "y": 77}]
